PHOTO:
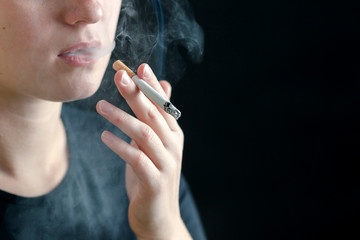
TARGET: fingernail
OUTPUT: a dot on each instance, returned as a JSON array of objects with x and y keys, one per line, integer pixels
[
  {"x": 147, "y": 71},
  {"x": 107, "y": 137},
  {"x": 125, "y": 79},
  {"x": 106, "y": 107}
]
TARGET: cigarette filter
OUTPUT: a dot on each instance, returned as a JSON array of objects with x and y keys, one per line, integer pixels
[{"x": 149, "y": 91}]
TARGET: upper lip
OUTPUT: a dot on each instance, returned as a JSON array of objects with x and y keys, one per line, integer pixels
[{"x": 81, "y": 45}]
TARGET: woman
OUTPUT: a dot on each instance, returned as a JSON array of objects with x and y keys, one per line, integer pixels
[{"x": 56, "y": 180}]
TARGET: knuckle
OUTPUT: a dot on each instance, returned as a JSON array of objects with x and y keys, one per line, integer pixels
[
  {"x": 152, "y": 113},
  {"x": 139, "y": 160},
  {"x": 119, "y": 118},
  {"x": 147, "y": 133},
  {"x": 181, "y": 135}
]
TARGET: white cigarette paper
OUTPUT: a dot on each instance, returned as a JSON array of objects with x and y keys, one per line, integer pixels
[{"x": 148, "y": 91}]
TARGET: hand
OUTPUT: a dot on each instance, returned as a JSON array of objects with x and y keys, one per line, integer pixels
[{"x": 153, "y": 159}]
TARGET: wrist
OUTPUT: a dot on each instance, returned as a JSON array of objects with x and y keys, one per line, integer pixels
[{"x": 176, "y": 231}]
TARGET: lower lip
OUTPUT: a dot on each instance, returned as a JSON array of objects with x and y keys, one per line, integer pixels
[{"x": 78, "y": 60}]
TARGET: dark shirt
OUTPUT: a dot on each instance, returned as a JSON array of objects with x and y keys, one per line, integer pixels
[{"x": 91, "y": 201}]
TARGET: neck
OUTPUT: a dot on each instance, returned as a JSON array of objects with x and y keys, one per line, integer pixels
[{"x": 32, "y": 143}]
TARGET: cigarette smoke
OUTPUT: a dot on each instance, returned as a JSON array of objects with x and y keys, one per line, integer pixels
[
  {"x": 166, "y": 36},
  {"x": 162, "y": 33},
  {"x": 156, "y": 32}
]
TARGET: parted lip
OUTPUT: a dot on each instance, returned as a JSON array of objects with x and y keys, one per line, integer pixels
[{"x": 81, "y": 46}]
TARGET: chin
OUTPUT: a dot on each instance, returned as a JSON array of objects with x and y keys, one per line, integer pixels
[
  {"x": 76, "y": 91},
  {"x": 79, "y": 87},
  {"x": 75, "y": 96},
  {"x": 78, "y": 94}
]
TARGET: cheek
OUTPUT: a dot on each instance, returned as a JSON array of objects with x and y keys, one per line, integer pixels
[
  {"x": 28, "y": 61},
  {"x": 27, "y": 58},
  {"x": 13, "y": 47},
  {"x": 23, "y": 26},
  {"x": 22, "y": 32},
  {"x": 67, "y": 84},
  {"x": 112, "y": 10}
]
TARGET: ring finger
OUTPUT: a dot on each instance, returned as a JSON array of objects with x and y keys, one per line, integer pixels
[{"x": 142, "y": 134}]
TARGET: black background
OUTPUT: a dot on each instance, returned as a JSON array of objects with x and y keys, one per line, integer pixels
[{"x": 271, "y": 119}]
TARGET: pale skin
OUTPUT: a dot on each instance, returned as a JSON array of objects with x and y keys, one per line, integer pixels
[{"x": 33, "y": 85}]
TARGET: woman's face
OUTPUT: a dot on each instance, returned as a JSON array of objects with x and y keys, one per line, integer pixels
[{"x": 35, "y": 36}]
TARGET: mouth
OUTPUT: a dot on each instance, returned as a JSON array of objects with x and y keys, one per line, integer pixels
[{"x": 80, "y": 54}]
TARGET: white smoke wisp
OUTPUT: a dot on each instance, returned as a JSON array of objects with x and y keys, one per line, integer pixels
[
  {"x": 102, "y": 51},
  {"x": 162, "y": 33}
]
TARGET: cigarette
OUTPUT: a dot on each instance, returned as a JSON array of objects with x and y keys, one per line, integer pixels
[{"x": 148, "y": 91}]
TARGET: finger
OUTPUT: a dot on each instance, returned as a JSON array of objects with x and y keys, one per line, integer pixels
[
  {"x": 142, "y": 107},
  {"x": 145, "y": 73},
  {"x": 166, "y": 86},
  {"x": 142, "y": 134},
  {"x": 133, "y": 143},
  {"x": 142, "y": 166}
]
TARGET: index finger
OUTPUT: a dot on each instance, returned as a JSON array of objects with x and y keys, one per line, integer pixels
[{"x": 145, "y": 73}]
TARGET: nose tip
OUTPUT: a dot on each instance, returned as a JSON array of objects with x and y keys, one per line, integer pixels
[
  {"x": 97, "y": 15},
  {"x": 83, "y": 11}
]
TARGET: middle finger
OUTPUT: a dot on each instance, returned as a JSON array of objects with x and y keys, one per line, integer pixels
[
  {"x": 142, "y": 107},
  {"x": 142, "y": 134}
]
